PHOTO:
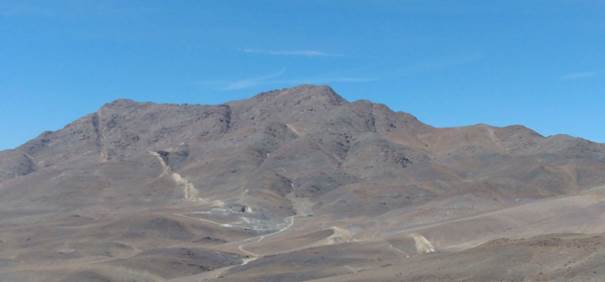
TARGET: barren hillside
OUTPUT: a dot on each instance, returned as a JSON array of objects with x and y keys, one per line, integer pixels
[{"x": 298, "y": 184}]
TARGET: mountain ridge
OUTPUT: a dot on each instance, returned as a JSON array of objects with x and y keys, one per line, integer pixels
[{"x": 242, "y": 178}]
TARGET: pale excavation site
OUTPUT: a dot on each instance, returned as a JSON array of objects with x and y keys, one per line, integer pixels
[{"x": 298, "y": 184}]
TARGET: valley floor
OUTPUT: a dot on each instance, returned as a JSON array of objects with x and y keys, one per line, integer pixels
[{"x": 555, "y": 239}]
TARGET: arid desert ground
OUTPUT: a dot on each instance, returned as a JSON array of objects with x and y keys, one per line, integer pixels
[{"x": 298, "y": 184}]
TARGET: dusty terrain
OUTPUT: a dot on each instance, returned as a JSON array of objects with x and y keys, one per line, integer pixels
[{"x": 298, "y": 185}]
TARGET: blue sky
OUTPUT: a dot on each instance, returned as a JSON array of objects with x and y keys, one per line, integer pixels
[{"x": 535, "y": 62}]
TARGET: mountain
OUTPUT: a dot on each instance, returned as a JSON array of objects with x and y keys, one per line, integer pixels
[{"x": 294, "y": 185}]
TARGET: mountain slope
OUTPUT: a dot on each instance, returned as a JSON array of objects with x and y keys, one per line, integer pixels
[{"x": 301, "y": 162}]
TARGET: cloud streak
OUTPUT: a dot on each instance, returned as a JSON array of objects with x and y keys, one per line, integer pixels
[
  {"x": 243, "y": 83},
  {"x": 320, "y": 80},
  {"x": 276, "y": 79},
  {"x": 578, "y": 75},
  {"x": 251, "y": 82},
  {"x": 298, "y": 53},
  {"x": 279, "y": 79}
]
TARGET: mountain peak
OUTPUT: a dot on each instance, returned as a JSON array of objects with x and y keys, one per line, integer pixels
[
  {"x": 179, "y": 183},
  {"x": 121, "y": 103},
  {"x": 304, "y": 92}
]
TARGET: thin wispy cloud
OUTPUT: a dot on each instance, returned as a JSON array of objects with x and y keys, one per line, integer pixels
[
  {"x": 300, "y": 53},
  {"x": 254, "y": 81},
  {"x": 243, "y": 83},
  {"x": 324, "y": 80},
  {"x": 396, "y": 71},
  {"x": 579, "y": 75},
  {"x": 279, "y": 78},
  {"x": 275, "y": 79}
]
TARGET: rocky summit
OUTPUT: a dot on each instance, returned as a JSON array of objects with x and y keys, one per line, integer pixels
[{"x": 298, "y": 184}]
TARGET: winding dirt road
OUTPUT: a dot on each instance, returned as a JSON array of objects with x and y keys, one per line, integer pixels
[{"x": 258, "y": 239}]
